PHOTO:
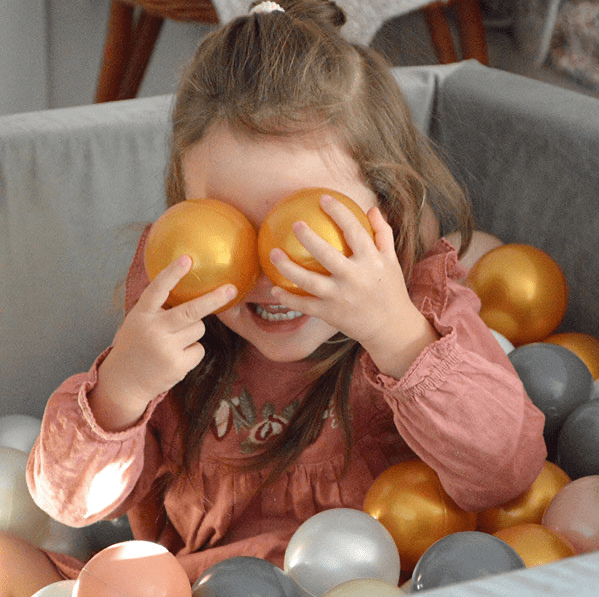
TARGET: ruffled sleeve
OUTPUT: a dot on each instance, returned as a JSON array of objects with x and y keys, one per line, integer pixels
[
  {"x": 461, "y": 406},
  {"x": 78, "y": 472}
]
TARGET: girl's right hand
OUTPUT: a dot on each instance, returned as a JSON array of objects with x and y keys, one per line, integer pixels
[{"x": 154, "y": 349}]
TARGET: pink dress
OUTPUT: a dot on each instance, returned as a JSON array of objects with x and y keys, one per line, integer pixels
[{"x": 460, "y": 408}]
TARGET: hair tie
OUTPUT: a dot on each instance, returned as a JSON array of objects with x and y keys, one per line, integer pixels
[{"x": 265, "y": 7}]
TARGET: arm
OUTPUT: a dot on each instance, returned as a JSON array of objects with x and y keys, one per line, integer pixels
[
  {"x": 460, "y": 406},
  {"x": 456, "y": 399},
  {"x": 365, "y": 297},
  {"x": 80, "y": 473},
  {"x": 96, "y": 451}
]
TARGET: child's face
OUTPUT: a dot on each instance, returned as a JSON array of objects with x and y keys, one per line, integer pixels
[{"x": 253, "y": 176}]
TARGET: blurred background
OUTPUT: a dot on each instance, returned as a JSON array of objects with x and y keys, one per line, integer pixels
[{"x": 52, "y": 49}]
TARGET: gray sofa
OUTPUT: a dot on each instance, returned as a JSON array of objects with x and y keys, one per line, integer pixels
[{"x": 76, "y": 184}]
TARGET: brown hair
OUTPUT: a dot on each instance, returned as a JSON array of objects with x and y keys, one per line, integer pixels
[{"x": 287, "y": 74}]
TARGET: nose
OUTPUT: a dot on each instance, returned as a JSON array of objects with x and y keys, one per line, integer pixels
[{"x": 261, "y": 291}]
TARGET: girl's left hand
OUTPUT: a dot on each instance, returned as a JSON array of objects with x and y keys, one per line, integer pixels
[{"x": 365, "y": 297}]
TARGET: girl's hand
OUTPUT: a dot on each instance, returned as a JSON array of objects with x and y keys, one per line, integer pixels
[
  {"x": 155, "y": 348},
  {"x": 365, "y": 297}
]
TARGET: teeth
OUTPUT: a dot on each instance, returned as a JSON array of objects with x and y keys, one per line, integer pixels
[{"x": 277, "y": 316}]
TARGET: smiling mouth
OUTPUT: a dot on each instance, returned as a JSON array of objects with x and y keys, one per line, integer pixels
[{"x": 275, "y": 312}]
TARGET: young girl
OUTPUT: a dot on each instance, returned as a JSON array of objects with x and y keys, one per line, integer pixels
[{"x": 220, "y": 434}]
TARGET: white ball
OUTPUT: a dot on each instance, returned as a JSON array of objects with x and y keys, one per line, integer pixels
[
  {"x": 361, "y": 587},
  {"x": 503, "y": 342},
  {"x": 19, "y": 432},
  {"x": 339, "y": 545},
  {"x": 19, "y": 515},
  {"x": 63, "y": 588}
]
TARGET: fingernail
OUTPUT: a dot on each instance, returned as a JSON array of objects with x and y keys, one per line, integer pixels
[
  {"x": 298, "y": 226},
  {"x": 276, "y": 255},
  {"x": 327, "y": 198},
  {"x": 185, "y": 261},
  {"x": 230, "y": 291}
]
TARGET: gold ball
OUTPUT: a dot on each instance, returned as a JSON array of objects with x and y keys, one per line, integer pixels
[
  {"x": 409, "y": 501},
  {"x": 219, "y": 239},
  {"x": 523, "y": 292},
  {"x": 536, "y": 544},
  {"x": 277, "y": 231},
  {"x": 481, "y": 244},
  {"x": 586, "y": 347},
  {"x": 528, "y": 507}
]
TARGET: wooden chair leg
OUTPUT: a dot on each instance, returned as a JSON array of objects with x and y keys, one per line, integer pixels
[
  {"x": 471, "y": 29},
  {"x": 440, "y": 33},
  {"x": 147, "y": 31},
  {"x": 117, "y": 49}
]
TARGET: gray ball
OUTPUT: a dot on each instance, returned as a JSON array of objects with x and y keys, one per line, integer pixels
[
  {"x": 463, "y": 556},
  {"x": 104, "y": 533},
  {"x": 578, "y": 442},
  {"x": 556, "y": 380},
  {"x": 245, "y": 576}
]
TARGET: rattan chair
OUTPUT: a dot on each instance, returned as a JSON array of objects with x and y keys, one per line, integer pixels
[{"x": 132, "y": 34}]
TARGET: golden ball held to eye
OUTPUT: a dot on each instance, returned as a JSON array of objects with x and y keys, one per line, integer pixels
[
  {"x": 219, "y": 239},
  {"x": 277, "y": 231}
]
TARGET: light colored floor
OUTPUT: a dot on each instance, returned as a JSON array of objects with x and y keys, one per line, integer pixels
[{"x": 405, "y": 41}]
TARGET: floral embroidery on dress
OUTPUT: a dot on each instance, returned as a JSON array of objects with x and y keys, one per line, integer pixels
[
  {"x": 272, "y": 424},
  {"x": 239, "y": 412}
]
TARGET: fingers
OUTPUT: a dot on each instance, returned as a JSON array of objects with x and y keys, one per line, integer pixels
[
  {"x": 190, "y": 313},
  {"x": 304, "y": 304},
  {"x": 312, "y": 282},
  {"x": 156, "y": 294},
  {"x": 194, "y": 353},
  {"x": 191, "y": 334},
  {"x": 355, "y": 235},
  {"x": 329, "y": 257},
  {"x": 383, "y": 233},
  {"x": 357, "y": 238}
]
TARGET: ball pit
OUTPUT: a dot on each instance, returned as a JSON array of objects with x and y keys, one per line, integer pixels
[
  {"x": 585, "y": 346},
  {"x": 554, "y": 519},
  {"x": 63, "y": 588},
  {"x": 104, "y": 533},
  {"x": 363, "y": 587},
  {"x": 578, "y": 441},
  {"x": 574, "y": 514},
  {"x": 19, "y": 432},
  {"x": 503, "y": 342},
  {"x": 61, "y": 538},
  {"x": 556, "y": 380}
]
